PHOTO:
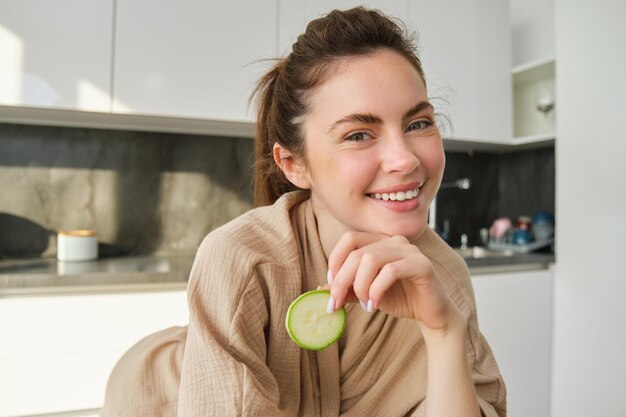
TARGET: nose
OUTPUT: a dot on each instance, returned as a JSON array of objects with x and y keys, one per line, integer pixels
[{"x": 397, "y": 156}]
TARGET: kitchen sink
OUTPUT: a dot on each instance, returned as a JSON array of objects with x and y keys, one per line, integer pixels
[{"x": 479, "y": 252}]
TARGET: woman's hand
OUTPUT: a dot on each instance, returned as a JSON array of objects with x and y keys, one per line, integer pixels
[{"x": 390, "y": 274}]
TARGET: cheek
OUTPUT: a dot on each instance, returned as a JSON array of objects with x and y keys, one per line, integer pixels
[
  {"x": 348, "y": 171},
  {"x": 434, "y": 159}
]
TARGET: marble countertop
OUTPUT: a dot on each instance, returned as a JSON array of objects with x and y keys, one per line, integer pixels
[
  {"x": 132, "y": 273},
  {"x": 21, "y": 277}
]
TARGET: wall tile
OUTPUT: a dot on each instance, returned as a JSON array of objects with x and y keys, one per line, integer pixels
[
  {"x": 503, "y": 185},
  {"x": 142, "y": 192}
]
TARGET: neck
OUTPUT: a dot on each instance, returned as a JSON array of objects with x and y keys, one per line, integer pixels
[{"x": 329, "y": 228}]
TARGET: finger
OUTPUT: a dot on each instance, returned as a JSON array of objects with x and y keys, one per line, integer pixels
[
  {"x": 344, "y": 278},
  {"x": 416, "y": 268},
  {"x": 362, "y": 264},
  {"x": 349, "y": 242},
  {"x": 375, "y": 257},
  {"x": 369, "y": 267}
]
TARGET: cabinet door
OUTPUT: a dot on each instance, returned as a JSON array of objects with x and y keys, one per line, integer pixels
[
  {"x": 532, "y": 28},
  {"x": 515, "y": 316},
  {"x": 57, "y": 352},
  {"x": 296, "y": 14},
  {"x": 56, "y": 53},
  {"x": 464, "y": 46},
  {"x": 466, "y": 52},
  {"x": 191, "y": 58}
]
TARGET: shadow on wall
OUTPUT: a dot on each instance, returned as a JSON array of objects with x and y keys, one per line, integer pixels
[{"x": 142, "y": 192}]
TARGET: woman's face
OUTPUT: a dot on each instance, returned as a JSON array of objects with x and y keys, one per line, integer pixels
[{"x": 373, "y": 155}]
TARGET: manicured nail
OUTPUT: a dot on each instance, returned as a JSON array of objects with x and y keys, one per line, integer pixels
[
  {"x": 329, "y": 277},
  {"x": 330, "y": 307},
  {"x": 363, "y": 305},
  {"x": 370, "y": 306}
]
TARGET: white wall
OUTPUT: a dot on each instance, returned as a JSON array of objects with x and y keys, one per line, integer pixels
[
  {"x": 532, "y": 30},
  {"x": 589, "y": 358}
]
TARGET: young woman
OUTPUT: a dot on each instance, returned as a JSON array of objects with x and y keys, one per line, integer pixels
[{"x": 348, "y": 159}]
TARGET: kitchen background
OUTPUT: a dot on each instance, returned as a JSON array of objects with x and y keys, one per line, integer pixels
[
  {"x": 90, "y": 89},
  {"x": 146, "y": 192}
]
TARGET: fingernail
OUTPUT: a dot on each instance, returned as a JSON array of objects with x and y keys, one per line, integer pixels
[
  {"x": 363, "y": 305},
  {"x": 330, "y": 307},
  {"x": 370, "y": 306},
  {"x": 319, "y": 287},
  {"x": 329, "y": 277}
]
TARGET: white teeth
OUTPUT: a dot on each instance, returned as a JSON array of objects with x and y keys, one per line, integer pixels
[{"x": 399, "y": 196}]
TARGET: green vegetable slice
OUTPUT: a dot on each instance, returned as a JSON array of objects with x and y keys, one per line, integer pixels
[{"x": 309, "y": 325}]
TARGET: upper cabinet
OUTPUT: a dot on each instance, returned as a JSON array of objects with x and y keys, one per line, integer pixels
[
  {"x": 191, "y": 58},
  {"x": 465, "y": 49},
  {"x": 296, "y": 14},
  {"x": 532, "y": 28},
  {"x": 466, "y": 52},
  {"x": 194, "y": 64},
  {"x": 56, "y": 54}
]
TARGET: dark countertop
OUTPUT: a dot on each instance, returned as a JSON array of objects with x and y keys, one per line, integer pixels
[
  {"x": 19, "y": 277},
  {"x": 515, "y": 263}
]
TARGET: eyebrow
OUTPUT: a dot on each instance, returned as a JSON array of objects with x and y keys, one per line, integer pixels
[{"x": 373, "y": 119}]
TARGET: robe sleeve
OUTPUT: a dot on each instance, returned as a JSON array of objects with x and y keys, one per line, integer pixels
[{"x": 224, "y": 370}]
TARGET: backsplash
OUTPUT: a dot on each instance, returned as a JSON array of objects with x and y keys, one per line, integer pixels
[
  {"x": 142, "y": 192},
  {"x": 155, "y": 192},
  {"x": 502, "y": 185}
]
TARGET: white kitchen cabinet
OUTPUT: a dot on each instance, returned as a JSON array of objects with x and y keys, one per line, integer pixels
[
  {"x": 296, "y": 14},
  {"x": 532, "y": 30},
  {"x": 465, "y": 49},
  {"x": 57, "y": 352},
  {"x": 515, "y": 316},
  {"x": 466, "y": 52},
  {"x": 56, "y": 54},
  {"x": 191, "y": 58}
]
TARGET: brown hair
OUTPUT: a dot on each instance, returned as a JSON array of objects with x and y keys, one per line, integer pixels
[{"x": 282, "y": 93}]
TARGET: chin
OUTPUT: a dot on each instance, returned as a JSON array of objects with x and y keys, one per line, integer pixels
[{"x": 410, "y": 231}]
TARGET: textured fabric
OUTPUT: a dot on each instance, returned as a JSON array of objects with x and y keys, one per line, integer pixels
[
  {"x": 145, "y": 380},
  {"x": 240, "y": 361}
]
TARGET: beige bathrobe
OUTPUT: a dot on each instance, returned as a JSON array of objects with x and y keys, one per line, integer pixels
[{"x": 240, "y": 361}]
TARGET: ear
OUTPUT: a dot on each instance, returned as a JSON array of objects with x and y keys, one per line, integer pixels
[{"x": 293, "y": 168}]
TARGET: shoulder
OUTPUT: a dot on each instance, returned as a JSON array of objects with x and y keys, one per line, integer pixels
[
  {"x": 229, "y": 255},
  {"x": 263, "y": 233}
]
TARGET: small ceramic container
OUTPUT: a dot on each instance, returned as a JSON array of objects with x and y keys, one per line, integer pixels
[{"x": 77, "y": 245}]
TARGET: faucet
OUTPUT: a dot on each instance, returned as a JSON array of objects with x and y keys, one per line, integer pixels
[{"x": 461, "y": 183}]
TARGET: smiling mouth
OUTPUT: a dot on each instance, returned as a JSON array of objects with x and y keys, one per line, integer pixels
[{"x": 397, "y": 196}]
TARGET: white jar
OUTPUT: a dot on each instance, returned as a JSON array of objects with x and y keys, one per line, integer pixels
[{"x": 77, "y": 245}]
